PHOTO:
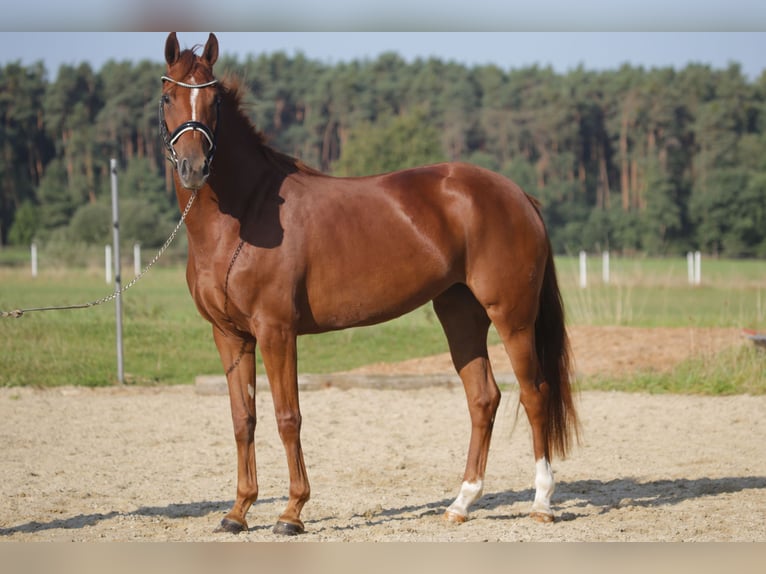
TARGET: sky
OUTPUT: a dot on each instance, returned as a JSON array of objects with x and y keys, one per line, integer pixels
[
  {"x": 597, "y": 34},
  {"x": 509, "y": 50}
]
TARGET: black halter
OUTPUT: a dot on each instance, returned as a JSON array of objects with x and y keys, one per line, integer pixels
[{"x": 191, "y": 126}]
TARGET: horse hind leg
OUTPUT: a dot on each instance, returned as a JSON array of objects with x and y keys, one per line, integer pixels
[
  {"x": 465, "y": 323},
  {"x": 534, "y": 396}
]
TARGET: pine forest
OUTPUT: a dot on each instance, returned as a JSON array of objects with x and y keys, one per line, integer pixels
[{"x": 656, "y": 161}]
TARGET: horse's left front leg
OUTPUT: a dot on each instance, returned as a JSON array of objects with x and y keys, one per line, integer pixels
[
  {"x": 238, "y": 358},
  {"x": 279, "y": 352}
]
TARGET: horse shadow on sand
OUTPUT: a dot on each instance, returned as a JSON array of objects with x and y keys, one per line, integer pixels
[
  {"x": 605, "y": 496},
  {"x": 172, "y": 511}
]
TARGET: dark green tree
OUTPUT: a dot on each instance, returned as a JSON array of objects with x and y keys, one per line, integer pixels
[
  {"x": 71, "y": 106},
  {"x": 24, "y": 147},
  {"x": 404, "y": 141}
]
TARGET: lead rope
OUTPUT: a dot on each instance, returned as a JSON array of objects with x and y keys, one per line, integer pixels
[
  {"x": 235, "y": 364},
  {"x": 16, "y": 313}
]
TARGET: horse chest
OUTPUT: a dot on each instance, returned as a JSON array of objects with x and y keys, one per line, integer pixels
[
  {"x": 211, "y": 294},
  {"x": 234, "y": 296}
]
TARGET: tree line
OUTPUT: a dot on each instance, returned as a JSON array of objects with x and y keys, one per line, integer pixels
[{"x": 632, "y": 159}]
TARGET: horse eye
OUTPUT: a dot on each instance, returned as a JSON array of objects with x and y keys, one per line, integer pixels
[{"x": 165, "y": 99}]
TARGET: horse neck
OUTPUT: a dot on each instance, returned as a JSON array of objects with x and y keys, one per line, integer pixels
[{"x": 243, "y": 173}]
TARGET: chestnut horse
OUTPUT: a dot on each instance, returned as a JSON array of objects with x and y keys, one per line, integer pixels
[{"x": 277, "y": 250}]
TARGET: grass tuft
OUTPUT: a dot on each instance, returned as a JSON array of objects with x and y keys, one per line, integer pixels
[{"x": 738, "y": 370}]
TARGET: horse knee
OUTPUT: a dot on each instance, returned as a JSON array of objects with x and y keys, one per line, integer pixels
[
  {"x": 244, "y": 428},
  {"x": 289, "y": 425}
]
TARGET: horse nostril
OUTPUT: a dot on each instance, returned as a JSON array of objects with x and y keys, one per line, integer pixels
[
  {"x": 206, "y": 168},
  {"x": 183, "y": 168}
]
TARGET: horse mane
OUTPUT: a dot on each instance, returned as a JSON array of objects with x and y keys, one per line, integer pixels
[{"x": 233, "y": 92}]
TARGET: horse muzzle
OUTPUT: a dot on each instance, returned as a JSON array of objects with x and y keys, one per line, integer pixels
[{"x": 193, "y": 173}]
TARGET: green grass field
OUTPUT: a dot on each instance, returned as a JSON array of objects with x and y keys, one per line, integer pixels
[
  {"x": 166, "y": 342},
  {"x": 656, "y": 292}
]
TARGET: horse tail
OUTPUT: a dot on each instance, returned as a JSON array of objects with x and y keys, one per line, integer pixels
[{"x": 554, "y": 356}]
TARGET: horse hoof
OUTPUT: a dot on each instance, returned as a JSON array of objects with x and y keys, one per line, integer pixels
[
  {"x": 541, "y": 516},
  {"x": 454, "y": 517},
  {"x": 231, "y": 526},
  {"x": 287, "y": 528}
]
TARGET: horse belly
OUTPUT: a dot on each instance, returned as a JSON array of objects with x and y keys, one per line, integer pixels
[{"x": 356, "y": 288}]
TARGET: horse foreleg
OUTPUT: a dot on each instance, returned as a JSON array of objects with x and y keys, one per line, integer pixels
[
  {"x": 238, "y": 358},
  {"x": 466, "y": 324},
  {"x": 278, "y": 349}
]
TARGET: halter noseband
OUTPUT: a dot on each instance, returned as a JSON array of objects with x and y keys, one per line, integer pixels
[{"x": 191, "y": 126}]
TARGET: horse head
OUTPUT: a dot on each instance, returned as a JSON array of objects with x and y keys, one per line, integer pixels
[{"x": 189, "y": 110}]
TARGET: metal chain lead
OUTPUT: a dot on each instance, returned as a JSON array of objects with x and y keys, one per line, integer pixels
[{"x": 19, "y": 312}]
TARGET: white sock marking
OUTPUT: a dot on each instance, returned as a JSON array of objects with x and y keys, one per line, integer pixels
[
  {"x": 469, "y": 493},
  {"x": 544, "y": 487}
]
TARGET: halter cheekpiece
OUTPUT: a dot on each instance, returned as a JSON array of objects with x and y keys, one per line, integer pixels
[{"x": 191, "y": 126}]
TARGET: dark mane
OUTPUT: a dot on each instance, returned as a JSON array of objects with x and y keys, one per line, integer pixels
[{"x": 232, "y": 93}]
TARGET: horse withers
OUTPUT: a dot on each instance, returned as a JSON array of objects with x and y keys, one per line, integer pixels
[{"x": 277, "y": 250}]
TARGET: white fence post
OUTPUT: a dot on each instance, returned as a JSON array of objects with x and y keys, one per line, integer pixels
[
  {"x": 583, "y": 270},
  {"x": 690, "y": 267},
  {"x": 108, "y": 263},
  {"x": 33, "y": 254},
  {"x": 694, "y": 265},
  {"x": 697, "y": 268},
  {"x": 136, "y": 259},
  {"x": 605, "y": 267}
]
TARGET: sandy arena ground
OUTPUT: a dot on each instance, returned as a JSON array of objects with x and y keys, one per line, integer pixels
[{"x": 158, "y": 464}]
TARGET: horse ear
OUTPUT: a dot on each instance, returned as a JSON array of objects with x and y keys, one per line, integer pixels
[
  {"x": 210, "y": 53},
  {"x": 172, "y": 49}
]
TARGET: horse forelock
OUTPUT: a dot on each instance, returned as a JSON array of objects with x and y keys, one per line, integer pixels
[{"x": 188, "y": 64}]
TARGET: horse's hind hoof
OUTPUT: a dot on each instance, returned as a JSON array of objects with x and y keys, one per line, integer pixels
[
  {"x": 231, "y": 526},
  {"x": 287, "y": 528},
  {"x": 538, "y": 516}
]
